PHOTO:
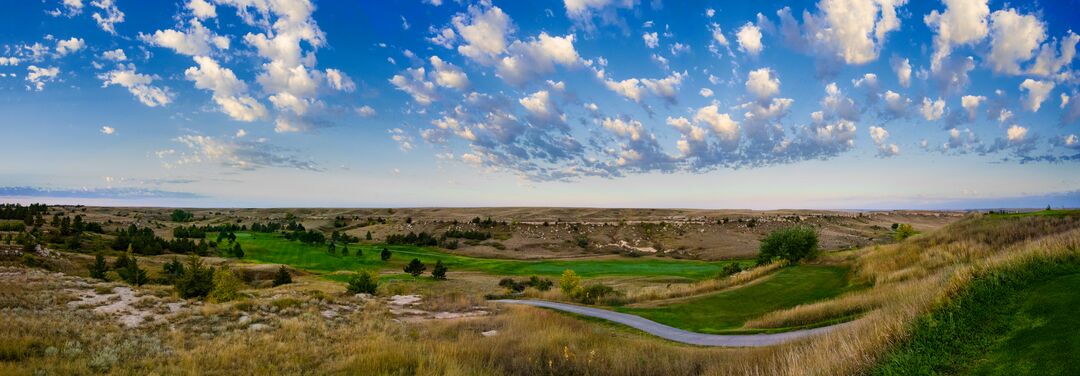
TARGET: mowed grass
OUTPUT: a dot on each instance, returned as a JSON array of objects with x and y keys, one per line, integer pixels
[
  {"x": 273, "y": 248},
  {"x": 726, "y": 311},
  {"x": 1043, "y": 339},
  {"x": 1057, "y": 213}
]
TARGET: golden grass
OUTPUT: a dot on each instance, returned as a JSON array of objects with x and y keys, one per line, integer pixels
[{"x": 673, "y": 291}]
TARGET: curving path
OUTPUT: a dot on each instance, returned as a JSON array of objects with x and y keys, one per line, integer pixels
[{"x": 676, "y": 334}]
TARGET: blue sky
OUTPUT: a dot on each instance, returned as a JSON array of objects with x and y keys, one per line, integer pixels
[{"x": 813, "y": 104}]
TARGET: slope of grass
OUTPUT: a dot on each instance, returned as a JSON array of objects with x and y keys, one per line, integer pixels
[
  {"x": 726, "y": 311},
  {"x": 1057, "y": 213},
  {"x": 1017, "y": 321},
  {"x": 272, "y": 248}
]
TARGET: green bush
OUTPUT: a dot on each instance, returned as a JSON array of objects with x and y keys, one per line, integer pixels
[
  {"x": 570, "y": 282},
  {"x": 99, "y": 268},
  {"x": 226, "y": 285},
  {"x": 541, "y": 284},
  {"x": 282, "y": 277},
  {"x": 792, "y": 244},
  {"x": 363, "y": 282},
  {"x": 593, "y": 294},
  {"x": 415, "y": 267},
  {"x": 439, "y": 271},
  {"x": 196, "y": 281},
  {"x": 904, "y": 231},
  {"x": 730, "y": 269},
  {"x": 385, "y": 254}
]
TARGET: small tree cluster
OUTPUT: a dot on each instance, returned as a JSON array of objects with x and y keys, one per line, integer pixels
[
  {"x": 196, "y": 281},
  {"x": 415, "y": 267},
  {"x": 792, "y": 244},
  {"x": 540, "y": 284},
  {"x": 363, "y": 282},
  {"x": 282, "y": 277},
  {"x": 439, "y": 271}
]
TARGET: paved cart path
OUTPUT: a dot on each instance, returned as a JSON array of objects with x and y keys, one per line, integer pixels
[{"x": 676, "y": 334}]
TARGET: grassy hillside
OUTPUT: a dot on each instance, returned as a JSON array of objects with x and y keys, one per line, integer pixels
[{"x": 728, "y": 310}]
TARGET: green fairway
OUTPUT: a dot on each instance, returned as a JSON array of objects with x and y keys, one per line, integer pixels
[
  {"x": 1043, "y": 337},
  {"x": 273, "y": 248},
  {"x": 727, "y": 310}
]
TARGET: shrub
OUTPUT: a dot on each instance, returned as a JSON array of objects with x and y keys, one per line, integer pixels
[
  {"x": 196, "y": 281},
  {"x": 226, "y": 285},
  {"x": 415, "y": 267},
  {"x": 180, "y": 215},
  {"x": 512, "y": 285},
  {"x": 99, "y": 268},
  {"x": 132, "y": 274},
  {"x": 385, "y": 255},
  {"x": 570, "y": 282},
  {"x": 904, "y": 231},
  {"x": 172, "y": 270},
  {"x": 541, "y": 284},
  {"x": 730, "y": 269},
  {"x": 282, "y": 277},
  {"x": 363, "y": 282},
  {"x": 792, "y": 244},
  {"x": 593, "y": 294},
  {"x": 439, "y": 271}
]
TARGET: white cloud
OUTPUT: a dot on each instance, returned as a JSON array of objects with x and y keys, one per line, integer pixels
[
  {"x": 71, "y": 8},
  {"x": 903, "y": 71},
  {"x": 749, "y": 38},
  {"x": 1014, "y": 40},
  {"x": 241, "y": 133},
  {"x": 6, "y": 61},
  {"x": 202, "y": 9},
  {"x": 634, "y": 88},
  {"x": 37, "y": 77},
  {"x": 895, "y": 104},
  {"x": 932, "y": 110},
  {"x": 720, "y": 123},
  {"x": 404, "y": 140},
  {"x": 229, "y": 92},
  {"x": 197, "y": 40},
  {"x": 963, "y": 22},
  {"x": 114, "y": 55},
  {"x": 235, "y": 154},
  {"x": 338, "y": 80},
  {"x": 1037, "y": 92},
  {"x": 412, "y": 81},
  {"x": 448, "y": 75},
  {"x": 366, "y": 111},
  {"x": 718, "y": 35},
  {"x": 705, "y": 92},
  {"x": 880, "y": 136},
  {"x": 1016, "y": 133},
  {"x": 971, "y": 104},
  {"x": 848, "y": 31},
  {"x": 107, "y": 130},
  {"x": 484, "y": 31},
  {"x": 69, "y": 46},
  {"x": 527, "y": 60},
  {"x": 652, "y": 40},
  {"x": 581, "y": 11},
  {"x": 763, "y": 83},
  {"x": 539, "y": 105},
  {"x": 1064, "y": 100},
  {"x": 138, "y": 85},
  {"x": 109, "y": 15},
  {"x": 1049, "y": 62},
  {"x": 710, "y": 12}
]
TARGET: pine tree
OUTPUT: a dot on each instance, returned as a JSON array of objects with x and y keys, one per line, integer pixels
[
  {"x": 439, "y": 271},
  {"x": 415, "y": 267},
  {"x": 238, "y": 251},
  {"x": 385, "y": 255},
  {"x": 345, "y": 250},
  {"x": 331, "y": 248},
  {"x": 282, "y": 277},
  {"x": 359, "y": 252},
  {"x": 368, "y": 235},
  {"x": 99, "y": 268}
]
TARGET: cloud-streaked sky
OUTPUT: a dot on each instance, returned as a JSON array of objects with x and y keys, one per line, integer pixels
[{"x": 753, "y": 104}]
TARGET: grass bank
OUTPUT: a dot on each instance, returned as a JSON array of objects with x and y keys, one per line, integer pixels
[
  {"x": 1017, "y": 320},
  {"x": 273, "y": 248},
  {"x": 726, "y": 311}
]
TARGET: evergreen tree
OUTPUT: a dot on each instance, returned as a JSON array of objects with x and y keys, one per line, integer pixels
[
  {"x": 415, "y": 267},
  {"x": 172, "y": 270},
  {"x": 282, "y": 277},
  {"x": 363, "y": 282},
  {"x": 368, "y": 235},
  {"x": 385, "y": 255},
  {"x": 345, "y": 250},
  {"x": 439, "y": 271},
  {"x": 132, "y": 274},
  {"x": 226, "y": 285},
  {"x": 331, "y": 248},
  {"x": 359, "y": 252},
  {"x": 238, "y": 251},
  {"x": 99, "y": 268},
  {"x": 196, "y": 281}
]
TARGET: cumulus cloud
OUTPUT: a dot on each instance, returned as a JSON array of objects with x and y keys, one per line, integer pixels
[
  {"x": 749, "y": 38},
  {"x": 540, "y": 105},
  {"x": 1037, "y": 92},
  {"x": 229, "y": 92},
  {"x": 139, "y": 85},
  {"x": 705, "y": 92},
  {"x": 69, "y": 8},
  {"x": 37, "y": 77},
  {"x": 108, "y": 16},
  {"x": 963, "y": 22},
  {"x": 880, "y": 136},
  {"x": 9, "y": 61},
  {"x": 448, "y": 75},
  {"x": 582, "y": 12},
  {"x": 413, "y": 82},
  {"x": 484, "y": 31},
  {"x": 1015, "y": 37},
  {"x": 107, "y": 130},
  {"x": 896, "y": 106},
  {"x": 932, "y": 110},
  {"x": 116, "y": 55},
  {"x": 69, "y": 46},
  {"x": 903, "y": 71},
  {"x": 720, "y": 123},
  {"x": 635, "y": 89},
  {"x": 366, "y": 111},
  {"x": 404, "y": 140},
  {"x": 651, "y": 39},
  {"x": 762, "y": 83},
  {"x": 197, "y": 40},
  {"x": 241, "y": 155},
  {"x": 1070, "y": 111},
  {"x": 842, "y": 31},
  {"x": 971, "y": 103},
  {"x": 340, "y": 81},
  {"x": 201, "y": 9},
  {"x": 1051, "y": 62},
  {"x": 525, "y": 61}
]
